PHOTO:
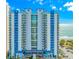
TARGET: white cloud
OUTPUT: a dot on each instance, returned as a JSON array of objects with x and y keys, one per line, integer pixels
[
  {"x": 69, "y": 5},
  {"x": 70, "y": 9},
  {"x": 60, "y": 8},
  {"x": 53, "y": 7},
  {"x": 18, "y": 9},
  {"x": 40, "y": 2}
]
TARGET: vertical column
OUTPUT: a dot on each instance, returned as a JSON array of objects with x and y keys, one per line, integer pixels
[
  {"x": 19, "y": 32},
  {"x": 34, "y": 32},
  {"x": 7, "y": 26},
  {"x": 28, "y": 29},
  {"x": 9, "y": 35},
  {"x": 52, "y": 31},
  {"x": 55, "y": 33},
  {"x": 44, "y": 22},
  {"x": 39, "y": 30},
  {"x": 12, "y": 33},
  {"x": 15, "y": 32},
  {"x": 48, "y": 32},
  {"x": 23, "y": 29}
]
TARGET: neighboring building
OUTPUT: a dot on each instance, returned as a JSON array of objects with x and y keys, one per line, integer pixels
[
  {"x": 7, "y": 25},
  {"x": 11, "y": 34},
  {"x": 33, "y": 35}
]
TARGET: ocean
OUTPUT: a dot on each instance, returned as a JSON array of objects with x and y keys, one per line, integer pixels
[{"x": 66, "y": 31}]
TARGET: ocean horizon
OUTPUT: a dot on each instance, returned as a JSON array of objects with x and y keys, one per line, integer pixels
[{"x": 65, "y": 31}]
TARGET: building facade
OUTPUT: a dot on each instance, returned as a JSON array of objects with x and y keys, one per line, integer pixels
[
  {"x": 33, "y": 35},
  {"x": 7, "y": 27}
]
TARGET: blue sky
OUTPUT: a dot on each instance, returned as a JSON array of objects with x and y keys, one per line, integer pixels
[{"x": 63, "y": 7}]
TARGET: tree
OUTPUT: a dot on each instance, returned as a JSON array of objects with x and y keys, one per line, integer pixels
[
  {"x": 62, "y": 42},
  {"x": 18, "y": 57}
]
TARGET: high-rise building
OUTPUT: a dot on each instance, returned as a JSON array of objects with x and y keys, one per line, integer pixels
[
  {"x": 7, "y": 28},
  {"x": 33, "y": 35},
  {"x": 11, "y": 33}
]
